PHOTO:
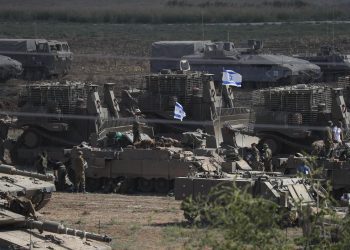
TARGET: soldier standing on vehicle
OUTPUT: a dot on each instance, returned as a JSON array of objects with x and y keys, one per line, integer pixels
[
  {"x": 256, "y": 163},
  {"x": 328, "y": 140},
  {"x": 79, "y": 169},
  {"x": 41, "y": 163},
  {"x": 136, "y": 127},
  {"x": 267, "y": 158}
]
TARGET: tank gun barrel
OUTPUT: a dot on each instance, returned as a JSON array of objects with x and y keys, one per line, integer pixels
[
  {"x": 7, "y": 169},
  {"x": 56, "y": 227}
]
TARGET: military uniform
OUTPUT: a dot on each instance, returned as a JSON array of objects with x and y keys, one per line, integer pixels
[
  {"x": 41, "y": 163},
  {"x": 256, "y": 163},
  {"x": 136, "y": 131},
  {"x": 267, "y": 158},
  {"x": 79, "y": 169},
  {"x": 328, "y": 141}
]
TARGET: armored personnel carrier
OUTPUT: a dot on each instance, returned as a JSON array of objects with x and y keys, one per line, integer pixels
[
  {"x": 287, "y": 192},
  {"x": 40, "y": 58},
  {"x": 207, "y": 107},
  {"x": 293, "y": 117},
  {"x": 9, "y": 68},
  {"x": 22, "y": 193},
  {"x": 147, "y": 167},
  {"x": 332, "y": 62},
  {"x": 57, "y": 115},
  {"x": 258, "y": 69}
]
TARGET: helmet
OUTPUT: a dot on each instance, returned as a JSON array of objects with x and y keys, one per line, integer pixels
[
  {"x": 330, "y": 123},
  {"x": 265, "y": 145},
  {"x": 80, "y": 152},
  {"x": 137, "y": 111}
]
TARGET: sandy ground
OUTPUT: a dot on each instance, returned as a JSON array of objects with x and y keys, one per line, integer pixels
[{"x": 134, "y": 222}]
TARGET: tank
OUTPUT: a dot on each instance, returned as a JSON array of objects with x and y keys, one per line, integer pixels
[
  {"x": 36, "y": 187},
  {"x": 22, "y": 194},
  {"x": 40, "y": 58},
  {"x": 332, "y": 62},
  {"x": 150, "y": 166},
  {"x": 293, "y": 117},
  {"x": 57, "y": 115},
  {"x": 258, "y": 69},
  {"x": 207, "y": 106},
  {"x": 9, "y": 68}
]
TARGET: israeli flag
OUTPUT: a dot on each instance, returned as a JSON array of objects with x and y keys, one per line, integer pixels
[
  {"x": 229, "y": 77},
  {"x": 179, "y": 112}
]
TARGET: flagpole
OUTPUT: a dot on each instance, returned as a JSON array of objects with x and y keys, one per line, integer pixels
[{"x": 220, "y": 108}]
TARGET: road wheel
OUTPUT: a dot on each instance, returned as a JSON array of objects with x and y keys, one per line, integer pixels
[
  {"x": 145, "y": 185},
  {"x": 274, "y": 145},
  {"x": 162, "y": 185},
  {"x": 31, "y": 139}
]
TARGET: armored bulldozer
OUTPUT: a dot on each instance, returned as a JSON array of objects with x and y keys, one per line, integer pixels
[
  {"x": 293, "y": 117},
  {"x": 145, "y": 167},
  {"x": 40, "y": 58},
  {"x": 58, "y": 115},
  {"x": 258, "y": 69},
  {"x": 207, "y": 107},
  {"x": 332, "y": 62},
  {"x": 22, "y": 193},
  {"x": 9, "y": 68}
]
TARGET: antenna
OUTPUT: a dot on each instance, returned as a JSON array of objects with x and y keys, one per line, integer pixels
[{"x": 202, "y": 25}]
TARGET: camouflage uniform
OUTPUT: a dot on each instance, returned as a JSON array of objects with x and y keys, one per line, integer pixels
[
  {"x": 41, "y": 163},
  {"x": 136, "y": 131},
  {"x": 267, "y": 158},
  {"x": 328, "y": 140},
  {"x": 79, "y": 169},
  {"x": 256, "y": 163}
]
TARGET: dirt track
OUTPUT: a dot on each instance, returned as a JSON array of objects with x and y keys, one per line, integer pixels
[{"x": 134, "y": 222}]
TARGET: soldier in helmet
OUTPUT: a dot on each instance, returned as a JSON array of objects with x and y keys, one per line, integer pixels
[
  {"x": 267, "y": 158},
  {"x": 136, "y": 126},
  {"x": 41, "y": 163},
  {"x": 256, "y": 163},
  {"x": 328, "y": 140},
  {"x": 79, "y": 170}
]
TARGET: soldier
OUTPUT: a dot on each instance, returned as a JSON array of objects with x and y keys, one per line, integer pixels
[
  {"x": 267, "y": 158},
  {"x": 256, "y": 163},
  {"x": 136, "y": 131},
  {"x": 328, "y": 140},
  {"x": 79, "y": 170},
  {"x": 41, "y": 163}
]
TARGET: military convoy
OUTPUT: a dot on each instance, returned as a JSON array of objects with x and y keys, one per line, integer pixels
[
  {"x": 40, "y": 58},
  {"x": 258, "y": 70},
  {"x": 21, "y": 195}
]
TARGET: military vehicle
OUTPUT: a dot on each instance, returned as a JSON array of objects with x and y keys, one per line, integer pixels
[
  {"x": 121, "y": 166},
  {"x": 58, "y": 115},
  {"x": 332, "y": 62},
  {"x": 258, "y": 69},
  {"x": 9, "y": 68},
  {"x": 36, "y": 187},
  {"x": 22, "y": 193},
  {"x": 288, "y": 192},
  {"x": 40, "y": 58},
  {"x": 206, "y": 106},
  {"x": 293, "y": 117}
]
